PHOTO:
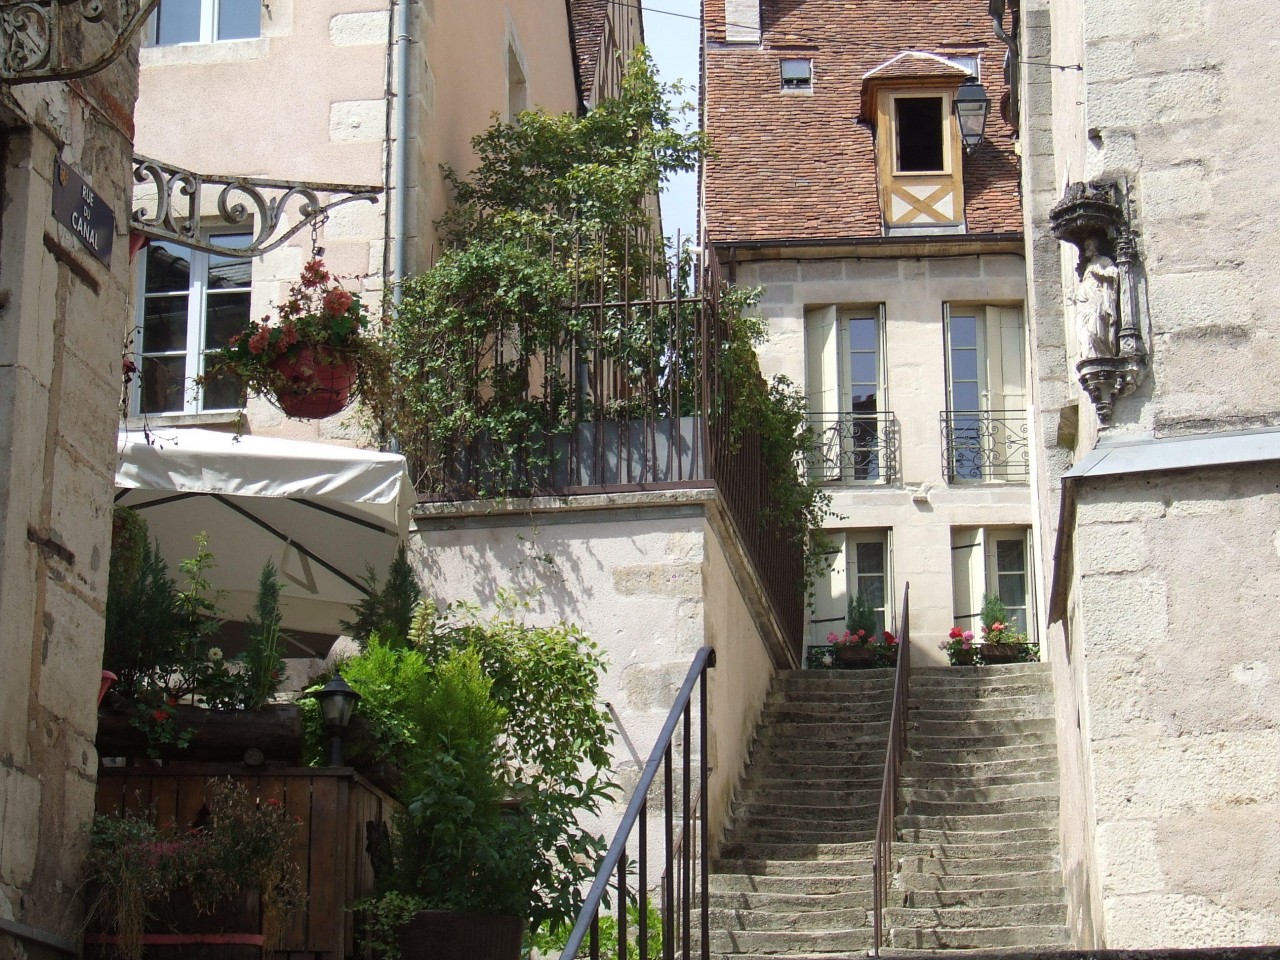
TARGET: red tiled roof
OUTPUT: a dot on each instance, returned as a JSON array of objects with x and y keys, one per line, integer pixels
[
  {"x": 797, "y": 166},
  {"x": 588, "y": 21}
]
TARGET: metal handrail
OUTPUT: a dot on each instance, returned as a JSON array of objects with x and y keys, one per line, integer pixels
[
  {"x": 883, "y": 849},
  {"x": 614, "y": 866},
  {"x": 852, "y": 447},
  {"x": 986, "y": 445}
]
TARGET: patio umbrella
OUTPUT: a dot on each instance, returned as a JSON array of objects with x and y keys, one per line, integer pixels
[{"x": 324, "y": 515}]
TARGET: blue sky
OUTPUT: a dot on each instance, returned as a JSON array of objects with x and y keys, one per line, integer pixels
[{"x": 673, "y": 41}]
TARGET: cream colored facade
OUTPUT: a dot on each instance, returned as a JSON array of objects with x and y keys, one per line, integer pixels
[
  {"x": 938, "y": 526},
  {"x": 315, "y": 97},
  {"x": 1160, "y": 530},
  {"x": 61, "y": 325}
]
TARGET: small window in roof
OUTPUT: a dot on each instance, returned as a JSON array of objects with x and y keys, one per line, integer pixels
[
  {"x": 797, "y": 73},
  {"x": 969, "y": 62},
  {"x": 920, "y": 131}
]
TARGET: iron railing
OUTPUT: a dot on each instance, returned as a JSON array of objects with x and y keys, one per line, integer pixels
[
  {"x": 986, "y": 445},
  {"x": 683, "y": 881},
  {"x": 882, "y": 859},
  {"x": 853, "y": 448}
]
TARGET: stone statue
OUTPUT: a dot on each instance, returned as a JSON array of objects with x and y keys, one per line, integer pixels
[{"x": 1096, "y": 303}]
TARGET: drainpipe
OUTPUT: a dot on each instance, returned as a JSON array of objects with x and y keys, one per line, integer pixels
[{"x": 400, "y": 159}]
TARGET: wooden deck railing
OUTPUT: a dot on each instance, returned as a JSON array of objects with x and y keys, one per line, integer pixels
[{"x": 334, "y": 804}]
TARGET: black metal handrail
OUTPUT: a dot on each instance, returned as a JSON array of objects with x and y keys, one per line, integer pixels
[
  {"x": 883, "y": 851},
  {"x": 681, "y": 883},
  {"x": 853, "y": 447},
  {"x": 986, "y": 445}
]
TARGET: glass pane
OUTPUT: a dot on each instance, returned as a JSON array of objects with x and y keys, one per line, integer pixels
[
  {"x": 863, "y": 334},
  {"x": 164, "y": 324},
  {"x": 864, "y": 368},
  {"x": 863, "y": 402},
  {"x": 964, "y": 365},
  {"x": 178, "y": 21},
  {"x": 1009, "y": 556},
  {"x": 222, "y": 392},
  {"x": 870, "y": 558},
  {"x": 873, "y": 589},
  {"x": 239, "y": 19},
  {"x": 1013, "y": 589},
  {"x": 964, "y": 332},
  {"x": 226, "y": 274},
  {"x": 228, "y": 314},
  {"x": 168, "y": 268},
  {"x": 964, "y": 396},
  {"x": 163, "y": 382}
]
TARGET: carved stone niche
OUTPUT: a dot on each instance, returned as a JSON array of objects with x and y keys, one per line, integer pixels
[{"x": 1113, "y": 356}]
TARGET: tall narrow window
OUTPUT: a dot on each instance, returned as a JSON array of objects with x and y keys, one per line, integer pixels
[
  {"x": 192, "y": 303},
  {"x": 985, "y": 425},
  {"x": 861, "y": 562},
  {"x": 869, "y": 573},
  {"x": 920, "y": 135},
  {"x": 992, "y": 560}
]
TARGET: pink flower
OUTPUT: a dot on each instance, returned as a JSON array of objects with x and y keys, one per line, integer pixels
[
  {"x": 288, "y": 335},
  {"x": 337, "y": 302},
  {"x": 832, "y": 637},
  {"x": 967, "y": 635},
  {"x": 314, "y": 274},
  {"x": 965, "y": 645},
  {"x": 258, "y": 342}
]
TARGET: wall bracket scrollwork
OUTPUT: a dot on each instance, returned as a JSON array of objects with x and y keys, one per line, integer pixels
[
  {"x": 1113, "y": 357},
  {"x": 44, "y": 40},
  {"x": 184, "y": 207}
]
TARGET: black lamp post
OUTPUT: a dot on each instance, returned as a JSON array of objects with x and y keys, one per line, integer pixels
[
  {"x": 971, "y": 108},
  {"x": 337, "y": 701}
]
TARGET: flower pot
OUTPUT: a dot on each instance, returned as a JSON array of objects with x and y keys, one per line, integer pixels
[
  {"x": 1002, "y": 652},
  {"x": 962, "y": 658},
  {"x": 444, "y": 935},
  {"x": 319, "y": 382},
  {"x": 854, "y": 657}
]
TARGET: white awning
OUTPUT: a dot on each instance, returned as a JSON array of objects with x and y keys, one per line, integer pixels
[{"x": 323, "y": 514}]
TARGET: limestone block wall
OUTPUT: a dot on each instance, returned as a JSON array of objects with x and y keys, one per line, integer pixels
[
  {"x": 651, "y": 578},
  {"x": 921, "y": 508},
  {"x": 61, "y": 326},
  {"x": 1177, "y": 614}
]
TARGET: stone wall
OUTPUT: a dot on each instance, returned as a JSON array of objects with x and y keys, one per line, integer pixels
[
  {"x": 62, "y": 327},
  {"x": 651, "y": 577}
]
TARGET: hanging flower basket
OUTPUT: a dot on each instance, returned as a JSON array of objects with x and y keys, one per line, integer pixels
[{"x": 317, "y": 382}]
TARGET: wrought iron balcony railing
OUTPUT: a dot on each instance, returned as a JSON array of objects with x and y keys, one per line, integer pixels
[
  {"x": 985, "y": 445},
  {"x": 853, "y": 448}
]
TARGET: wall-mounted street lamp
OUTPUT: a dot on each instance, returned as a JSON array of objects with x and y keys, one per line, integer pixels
[
  {"x": 337, "y": 701},
  {"x": 971, "y": 108}
]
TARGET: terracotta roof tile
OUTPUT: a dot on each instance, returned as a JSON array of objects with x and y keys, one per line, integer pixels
[
  {"x": 588, "y": 18},
  {"x": 798, "y": 165}
]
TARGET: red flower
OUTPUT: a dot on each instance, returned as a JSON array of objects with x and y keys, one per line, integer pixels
[
  {"x": 337, "y": 302},
  {"x": 258, "y": 342},
  {"x": 314, "y": 274},
  {"x": 889, "y": 638},
  {"x": 288, "y": 335},
  {"x": 160, "y": 716},
  {"x": 273, "y": 802},
  {"x": 956, "y": 633}
]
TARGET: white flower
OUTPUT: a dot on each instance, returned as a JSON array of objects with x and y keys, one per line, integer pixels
[{"x": 215, "y": 653}]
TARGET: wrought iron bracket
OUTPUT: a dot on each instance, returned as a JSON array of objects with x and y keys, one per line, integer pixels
[
  {"x": 189, "y": 206},
  {"x": 43, "y": 40}
]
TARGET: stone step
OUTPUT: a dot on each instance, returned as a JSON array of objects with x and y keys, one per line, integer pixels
[
  {"x": 1013, "y": 915},
  {"x": 808, "y": 921},
  {"x": 975, "y": 866},
  {"x": 980, "y": 754},
  {"x": 1015, "y": 879},
  {"x": 801, "y": 852},
  {"x": 995, "y": 771},
  {"x": 974, "y": 938},
  {"x": 998, "y": 847},
  {"x": 994, "y": 671},
  {"x": 792, "y": 902},
  {"x": 763, "y": 841},
  {"x": 773, "y": 942},
  {"x": 817, "y": 885},
  {"x": 963, "y": 792},
  {"x": 946, "y": 729},
  {"x": 932, "y": 808},
  {"x": 826, "y": 804},
  {"x": 880, "y": 677},
  {"x": 825, "y": 731},
  {"x": 781, "y": 760},
  {"x": 996, "y": 897},
  {"x": 983, "y": 822},
  {"x": 940, "y": 746},
  {"x": 943, "y": 837},
  {"x": 980, "y": 711},
  {"x": 975, "y": 690},
  {"x": 855, "y": 866},
  {"x": 820, "y": 791}
]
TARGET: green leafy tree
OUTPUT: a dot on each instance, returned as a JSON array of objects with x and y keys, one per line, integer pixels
[{"x": 386, "y": 611}]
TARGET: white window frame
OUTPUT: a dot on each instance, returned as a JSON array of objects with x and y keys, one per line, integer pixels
[
  {"x": 209, "y": 10},
  {"x": 197, "y": 324},
  {"x": 803, "y": 85},
  {"x": 832, "y": 592},
  {"x": 975, "y": 574}
]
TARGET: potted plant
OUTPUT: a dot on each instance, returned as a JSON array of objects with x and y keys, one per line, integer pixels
[
  {"x": 853, "y": 650},
  {"x": 960, "y": 647},
  {"x": 1002, "y": 642},
  {"x": 229, "y": 878},
  {"x": 497, "y": 728},
  {"x": 308, "y": 358},
  {"x": 886, "y": 649}
]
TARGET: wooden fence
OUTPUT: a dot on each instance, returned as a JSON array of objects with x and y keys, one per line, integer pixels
[{"x": 333, "y": 804}]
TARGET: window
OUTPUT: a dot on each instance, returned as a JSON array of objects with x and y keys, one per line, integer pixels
[
  {"x": 861, "y": 563},
  {"x": 992, "y": 560},
  {"x": 919, "y": 135},
  {"x": 204, "y": 21},
  {"x": 191, "y": 304},
  {"x": 845, "y": 374},
  {"x": 985, "y": 425},
  {"x": 797, "y": 74}
]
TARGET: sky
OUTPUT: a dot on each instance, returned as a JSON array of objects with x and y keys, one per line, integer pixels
[{"x": 671, "y": 33}]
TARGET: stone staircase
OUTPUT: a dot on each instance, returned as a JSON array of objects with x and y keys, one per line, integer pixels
[
  {"x": 980, "y": 792},
  {"x": 793, "y": 878}
]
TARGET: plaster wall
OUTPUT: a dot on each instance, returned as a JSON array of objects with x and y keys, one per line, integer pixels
[
  {"x": 644, "y": 575},
  {"x": 920, "y": 508},
  {"x": 61, "y": 324},
  {"x": 1184, "y": 737}
]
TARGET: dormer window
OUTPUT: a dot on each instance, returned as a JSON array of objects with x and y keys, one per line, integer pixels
[
  {"x": 919, "y": 135},
  {"x": 797, "y": 73}
]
